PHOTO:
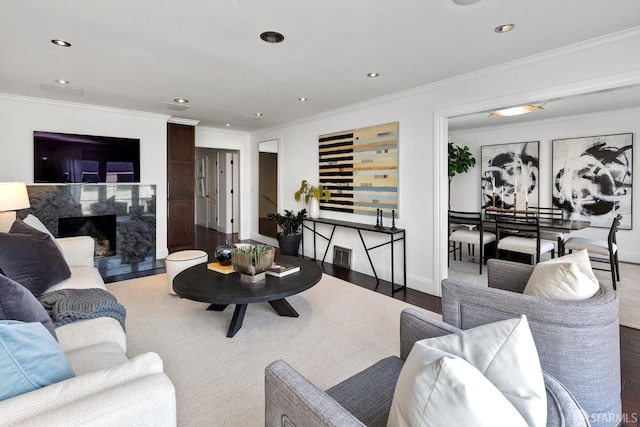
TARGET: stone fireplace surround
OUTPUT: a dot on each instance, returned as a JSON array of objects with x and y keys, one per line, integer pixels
[{"x": 134, "y": 206}]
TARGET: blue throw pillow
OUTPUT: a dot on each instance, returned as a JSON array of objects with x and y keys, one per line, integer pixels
[
  {"x": 30, "y": 257},
  {"x": 18, "y": 303},
  {"x": 30, "y": 358}
]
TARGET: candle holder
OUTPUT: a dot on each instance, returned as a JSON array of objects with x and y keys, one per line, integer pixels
[
  {"x": 393, "y": 220},
  {"x": 493, "y": 199},
  {"x": 515, "y": 201},
  {"x": 526, "y": 206}
]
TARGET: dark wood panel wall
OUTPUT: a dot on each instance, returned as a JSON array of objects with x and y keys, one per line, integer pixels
[{"x": 180, "y": 185}]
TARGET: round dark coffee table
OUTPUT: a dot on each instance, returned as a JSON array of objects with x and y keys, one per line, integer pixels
[{"x": 198, "y": 283}]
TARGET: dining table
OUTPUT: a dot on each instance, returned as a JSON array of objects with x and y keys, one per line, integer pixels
[{"x": 564, "y": 225}]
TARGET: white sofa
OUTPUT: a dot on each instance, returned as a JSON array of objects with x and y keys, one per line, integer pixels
[{"x": 108, "y": 388}]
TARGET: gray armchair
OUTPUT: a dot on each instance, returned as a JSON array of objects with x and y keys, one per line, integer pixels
[
  {"x": 365, "y": 398},
  {"x": 578, "y": 341}
]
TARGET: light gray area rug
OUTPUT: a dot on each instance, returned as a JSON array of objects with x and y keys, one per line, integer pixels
[
  {"x": 628, "y": 287},
  {"x": 341, "y": 330}
]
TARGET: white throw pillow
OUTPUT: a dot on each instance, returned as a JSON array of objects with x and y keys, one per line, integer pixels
[
  {"x": 503, "y": 352},
  {"x": 446, "y": 390},
  {"x": 565, "y": 278}
]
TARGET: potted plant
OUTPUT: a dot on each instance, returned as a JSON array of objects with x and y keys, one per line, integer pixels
[
  {"x": 312, "y": 196},
  {"x": 289, "y": 235},
  {"x": 460, "y": 160}
]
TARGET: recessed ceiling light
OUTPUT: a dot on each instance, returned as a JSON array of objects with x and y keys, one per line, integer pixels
[
  {"x": 257, "y": 114},
  {"x": 63, "y": 82},
  {"x": 303, "y": 99},
  {"x": 515, "y": 111},
  {"x": 504, "y": 28},
  {"x": 272, "y": 37},
  {"x": 228, "y": 124},
  {"x": 61, "y": 43},
  {"x": 373, "y": 74},
  {"x": 181, "y": 100}
]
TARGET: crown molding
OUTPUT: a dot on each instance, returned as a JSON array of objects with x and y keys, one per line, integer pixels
[
  {"x": 83, "y": 106},
  {"x": 180, "y": 121}
]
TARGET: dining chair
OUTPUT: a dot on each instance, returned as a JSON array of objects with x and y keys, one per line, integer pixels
[
  {"x": 607, "y": 248},
  {"x": 551, "y": 214},
  {"x": 521, "y": 234},
  {"x": 467, "y": 228}
]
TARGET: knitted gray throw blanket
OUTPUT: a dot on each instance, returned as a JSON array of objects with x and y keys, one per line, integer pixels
[{"x": 68, "y": 305}]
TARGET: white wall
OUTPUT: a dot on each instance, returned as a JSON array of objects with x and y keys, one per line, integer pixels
[
  {"x": 466, "y": 187},
  {"x": 21, "y": 116},
  {"x": 589, "y": 66}
]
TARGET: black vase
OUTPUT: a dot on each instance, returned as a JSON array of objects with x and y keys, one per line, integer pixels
[{"x": 289, "y": 245}]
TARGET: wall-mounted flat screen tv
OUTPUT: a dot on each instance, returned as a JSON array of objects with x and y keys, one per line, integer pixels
[{"x": 64, "y": 157}]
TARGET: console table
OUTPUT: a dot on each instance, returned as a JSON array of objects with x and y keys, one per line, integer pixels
[{"x": 395, "y": 235}]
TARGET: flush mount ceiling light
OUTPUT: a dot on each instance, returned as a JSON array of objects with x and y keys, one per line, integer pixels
[
  {"x": 63, "y": 82},
  {"x": 465, "y": 2},
  {"x": 257, "y": 114},
  {"x": 61, "y": 43},
  {"x": 181, "y": 100},
  {"x": 272, "y": 37},
  {"x": 504, "y": 28},
  {"x": 515, "y": 111},
  {"x": 303, "y": 99},
  {"x": 373, "y": 74}
]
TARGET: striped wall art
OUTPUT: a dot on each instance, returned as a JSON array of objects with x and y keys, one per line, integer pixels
[{"x": 360, "y": 168}]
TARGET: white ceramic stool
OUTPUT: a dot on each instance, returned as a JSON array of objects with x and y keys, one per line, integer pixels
[{"x": 180, "y": 261}]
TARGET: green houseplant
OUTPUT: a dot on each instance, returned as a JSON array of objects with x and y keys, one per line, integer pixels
[
  {"x": 312, "y": 196},
  {"x": 289, "y": 235},
  {"x": 460, "y": 160}
]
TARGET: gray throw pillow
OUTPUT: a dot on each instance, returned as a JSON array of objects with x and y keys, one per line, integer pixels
[
  {"x": 30, "y": 258},
  {"x": 17, "y": 303}
]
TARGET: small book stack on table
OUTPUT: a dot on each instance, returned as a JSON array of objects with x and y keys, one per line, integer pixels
[
  {"x": 279, "y": 269},
  {"x": 219, "y": 268}
]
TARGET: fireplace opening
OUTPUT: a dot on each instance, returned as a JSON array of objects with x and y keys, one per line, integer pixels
[{"x": 101, "y": 227}]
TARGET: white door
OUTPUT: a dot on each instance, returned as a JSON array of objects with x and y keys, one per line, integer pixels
[
  {"x": 235, "y": 193},
  {"x": 212, "y": 191},
  {"x": 225, "y": 182}
]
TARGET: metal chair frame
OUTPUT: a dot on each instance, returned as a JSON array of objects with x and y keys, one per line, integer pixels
[
  {"x": 614, "y": 265},
  {"x": 469, "y": 219},
  {"x": 525, "y": 226}
]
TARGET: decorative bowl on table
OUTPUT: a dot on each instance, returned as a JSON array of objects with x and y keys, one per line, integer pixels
[
  {"x": 252, "y": 261},
  {"x": 223, "y": 253}
]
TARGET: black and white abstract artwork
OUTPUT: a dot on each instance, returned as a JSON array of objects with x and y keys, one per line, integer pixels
[
  {"x": 592, "y": 178},
  {"x": 510, "y": 175}
]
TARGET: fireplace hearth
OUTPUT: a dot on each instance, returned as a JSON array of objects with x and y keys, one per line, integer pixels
[
  {"x": 120, "y": 217},
  {"x": 101, "y": 227}
]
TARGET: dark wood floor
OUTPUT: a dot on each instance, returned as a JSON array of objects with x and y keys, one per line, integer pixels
[{"x": 207, "y": 240}]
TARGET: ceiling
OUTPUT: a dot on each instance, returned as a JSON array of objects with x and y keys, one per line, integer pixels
[
  {"x": 143, "y": 54},
  {"x": 594, "y": 102}
]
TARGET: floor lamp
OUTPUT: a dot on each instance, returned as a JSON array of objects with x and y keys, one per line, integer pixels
[{"x": 13, "y": 196}]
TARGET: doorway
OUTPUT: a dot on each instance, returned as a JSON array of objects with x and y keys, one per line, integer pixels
[
  {"x": 267, "y": 186},
  {"x": 216, "y": 189}
]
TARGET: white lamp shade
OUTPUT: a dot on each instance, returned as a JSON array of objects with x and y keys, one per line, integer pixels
[{"x": 13, "y": 196}]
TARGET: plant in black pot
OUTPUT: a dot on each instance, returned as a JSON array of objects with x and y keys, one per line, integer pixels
[{"x": 289, "y": 235}]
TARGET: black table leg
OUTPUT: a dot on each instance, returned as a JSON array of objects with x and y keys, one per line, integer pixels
[
  {"x": 236, "y": 321},
  {"x": 283, "y": 308},
  {"x": 217, "y": 307}
]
